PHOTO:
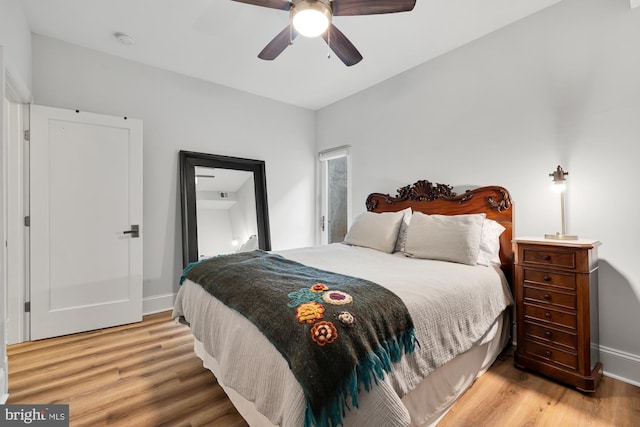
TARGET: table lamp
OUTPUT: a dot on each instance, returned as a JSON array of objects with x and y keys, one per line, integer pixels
[{"x": 559, "y": 186}]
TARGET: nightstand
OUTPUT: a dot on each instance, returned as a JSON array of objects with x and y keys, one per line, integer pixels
[{"x": 556, "y": 292}]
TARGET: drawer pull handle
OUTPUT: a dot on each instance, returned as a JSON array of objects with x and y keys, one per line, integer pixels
[
  {"x": 546, "y": 278},
  {"x": 548, "y": 334},
  {"x": 547, "y": 315},
  {"x": 546, "y": 257},
  {"x": 547, "y": 296},
  {"x": 548, "y": 353}
]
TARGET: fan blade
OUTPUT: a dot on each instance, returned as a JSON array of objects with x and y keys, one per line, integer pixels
[
  {"x": 273, "y": 4},
  {"x": 341, "y": 46},
  {"x": 278, "y": 44},
  {"x": 370, "y": 7}
]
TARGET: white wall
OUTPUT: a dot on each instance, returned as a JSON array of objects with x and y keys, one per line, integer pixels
[
  {"x": 214, "y": 232},
  {"x": 243, "y": 212},
  {"x": 15, "y": 37},
  {"x": 559, "y": 87},
  {"x": 188, "y": 114}
]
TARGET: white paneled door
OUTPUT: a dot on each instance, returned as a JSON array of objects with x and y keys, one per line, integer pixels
[{"x": 85, "y": 206}]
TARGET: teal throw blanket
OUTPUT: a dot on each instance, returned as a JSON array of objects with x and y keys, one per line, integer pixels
[{"x": 337, "y": 333}]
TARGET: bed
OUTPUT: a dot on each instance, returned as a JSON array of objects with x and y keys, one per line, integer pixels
[{"x": 459, "y": 309}]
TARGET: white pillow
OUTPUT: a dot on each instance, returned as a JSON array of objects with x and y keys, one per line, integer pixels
[
  {"x": 490, "y": 243},
  {"x": 375, "y": 230},
  {"x": 250, "y": 245},
  {"x": 454, "y": 238},
  {"x": 402, "y": 233}
]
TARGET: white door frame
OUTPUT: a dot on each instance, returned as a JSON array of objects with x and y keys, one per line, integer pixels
[
  {"x": 323, "y": 158},
  {"x": 17, "y": 233},
  {"x": 16, "y": 174},
  {"x": 4, "y": 379},
  {"x": 10, "y": 90}
]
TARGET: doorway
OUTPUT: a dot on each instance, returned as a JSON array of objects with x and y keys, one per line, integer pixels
[{"x": 335, "y": 177}]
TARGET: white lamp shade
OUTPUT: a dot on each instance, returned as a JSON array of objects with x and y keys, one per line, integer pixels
[
  {"x": 558, "y": 187},
  {"x": 311, "y": 21}
]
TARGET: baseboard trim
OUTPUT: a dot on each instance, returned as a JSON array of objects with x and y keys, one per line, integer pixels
[
  {"x": 158, "y": 303},
  {"x": 620, "y": 365}
]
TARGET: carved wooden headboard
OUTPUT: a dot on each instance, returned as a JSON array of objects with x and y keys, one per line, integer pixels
[{"x": 431, "y": 198}]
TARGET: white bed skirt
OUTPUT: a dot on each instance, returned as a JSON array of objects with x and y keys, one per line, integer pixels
[{"x": 427, "y": 403}]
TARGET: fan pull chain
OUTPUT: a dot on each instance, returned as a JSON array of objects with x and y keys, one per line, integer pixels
[
  {"x": 290, "y": 33},
  {"x": 329, "y": 43},
  {"x": 291, "y": 24}
]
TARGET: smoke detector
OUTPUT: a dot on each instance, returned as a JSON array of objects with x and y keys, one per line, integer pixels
[{"x": 124, "y": 38}]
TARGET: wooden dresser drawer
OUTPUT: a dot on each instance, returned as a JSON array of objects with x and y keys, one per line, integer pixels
[
  {"x": 533, "y": 255},
  {"x": 551, "y": 335},
  {"x": 551, "y": 316},
  {"x": 547, "y": 296},
  {"x": 552, "y": 354},
  {"x": 560, "y": 280}
]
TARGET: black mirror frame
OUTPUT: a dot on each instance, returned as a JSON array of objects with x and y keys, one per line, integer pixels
[{"x": 188, "y": 161}]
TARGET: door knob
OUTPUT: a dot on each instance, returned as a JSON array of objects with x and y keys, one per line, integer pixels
[{"x": 135, "y": 231}]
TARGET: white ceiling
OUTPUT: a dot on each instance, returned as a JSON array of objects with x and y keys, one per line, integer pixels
[
  {"x": 218, "y": 40},
  {"x": 214, "y": 180},
  {"x": 218, "y": 179}
]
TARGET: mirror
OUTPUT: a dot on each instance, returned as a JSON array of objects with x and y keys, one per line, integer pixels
[{"x": 224, "y": 205}]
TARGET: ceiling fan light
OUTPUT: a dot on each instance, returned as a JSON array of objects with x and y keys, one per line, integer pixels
[{"x": 311, "y": 19}]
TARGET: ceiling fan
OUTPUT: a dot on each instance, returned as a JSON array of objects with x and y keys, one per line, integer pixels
[{"x": 312, "y": 18}]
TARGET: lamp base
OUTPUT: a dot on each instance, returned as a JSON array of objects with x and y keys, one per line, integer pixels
[{"x": 559, "y": 236}]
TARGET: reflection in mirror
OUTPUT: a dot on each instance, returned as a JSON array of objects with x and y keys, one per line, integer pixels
[
  {"x": 224, "y": 205},
  {"x": 225, "y": 211}
]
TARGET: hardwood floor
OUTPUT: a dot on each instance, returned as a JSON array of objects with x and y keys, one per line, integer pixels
[
  {"x": 147, "y": 374},
  {"x": 143, "y": 374},
  {"x": 507, "y": 396}
]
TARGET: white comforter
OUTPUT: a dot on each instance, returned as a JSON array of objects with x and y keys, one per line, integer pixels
[{"x": 452, "y": 306}]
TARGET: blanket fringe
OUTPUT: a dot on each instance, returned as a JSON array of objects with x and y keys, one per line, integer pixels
[
  {"x": 367, "y": 372},
  {"x": 186, "y": 270}
]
